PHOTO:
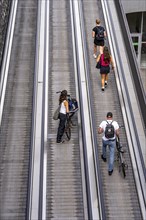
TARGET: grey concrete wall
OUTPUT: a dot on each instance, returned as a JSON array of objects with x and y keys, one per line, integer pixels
[{"x": 134, "y": 5}]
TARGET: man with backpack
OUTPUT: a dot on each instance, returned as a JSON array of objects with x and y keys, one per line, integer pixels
[
  {"x": 110, "y": 129},
  {"x": 99, "y": 34}
]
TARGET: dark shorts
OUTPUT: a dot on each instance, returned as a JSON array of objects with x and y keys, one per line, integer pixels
[
  {"x": 99, "y": 42},
  {"x": 104, "y": 69}
]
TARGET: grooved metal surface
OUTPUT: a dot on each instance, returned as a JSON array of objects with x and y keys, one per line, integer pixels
[
  {"x": 15, "y": 130},
  {"x": 120, "y": 196},
  {"x": 64, "y": 181}
]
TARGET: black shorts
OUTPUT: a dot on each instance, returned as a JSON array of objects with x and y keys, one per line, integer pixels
[
  {"x": 99, "y": 42},
  {"x": 104, "y": 69}
]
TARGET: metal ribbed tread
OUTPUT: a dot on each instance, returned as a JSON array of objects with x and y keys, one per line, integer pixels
[{"x": 64, "y": 180}]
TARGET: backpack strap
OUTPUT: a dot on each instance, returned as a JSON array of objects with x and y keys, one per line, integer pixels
[
  {"x": 108, "y": 122},
  {"x": 98, "y": 29}
]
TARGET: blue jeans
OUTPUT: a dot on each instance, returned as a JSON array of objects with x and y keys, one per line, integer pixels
[{"x": 112, "y": 145}]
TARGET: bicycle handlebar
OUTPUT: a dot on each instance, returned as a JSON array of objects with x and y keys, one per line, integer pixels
[
  {"x": 73, "y": 111},
  {"x": 121, "y": 126},
  {"x": 58, "y": 92}
]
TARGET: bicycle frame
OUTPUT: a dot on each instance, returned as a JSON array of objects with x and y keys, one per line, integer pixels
[
  {"x": 69, "y": 123},
  {"x": 122, "y": 164}
]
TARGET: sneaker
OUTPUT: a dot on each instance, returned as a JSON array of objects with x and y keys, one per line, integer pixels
[
  {"x": 94, "y": 55},
  {"x": 102, "y": 89},
  {"x": 105, "y": 84},
  {"x": 60, "y": 142},
  {"x": 110, "y": 172},
  {"x": 103, "y": 158}
]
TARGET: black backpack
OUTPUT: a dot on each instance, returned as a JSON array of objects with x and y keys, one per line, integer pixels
[
  {"x": 109, "y": 130},
  {"x": 99, "y": 33}
]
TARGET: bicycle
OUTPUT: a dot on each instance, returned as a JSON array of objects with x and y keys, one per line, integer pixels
[
  {"x": 122, "y": 164},
  {"x": 69, "y": 123}
]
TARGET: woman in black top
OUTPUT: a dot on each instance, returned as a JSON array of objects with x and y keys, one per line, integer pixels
[{"x": 98, "y": 33}]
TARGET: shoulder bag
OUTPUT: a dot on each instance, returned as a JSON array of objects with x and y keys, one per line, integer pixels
[
  {"x": 56, "y": 113},
  {"x": 98, "y": 64}
]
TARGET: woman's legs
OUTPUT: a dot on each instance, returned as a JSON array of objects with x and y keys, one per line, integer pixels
[
  {"x": 106, "y": 79},
  {"x": 95, "y": 50},
  {"x": 103, "y": 80},
  {"x": 61, "y": 127},
  {"x": 101, "y": 49}
]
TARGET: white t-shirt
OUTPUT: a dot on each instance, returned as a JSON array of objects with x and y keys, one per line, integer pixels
[
  {"x": 63, "y": 108},
  {"x": 103, "y": 126}
]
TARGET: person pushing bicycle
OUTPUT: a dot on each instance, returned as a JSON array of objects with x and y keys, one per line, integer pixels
[
  {"x": 64, "y": 109},
  {"x": 68, "y": 107},
  {"x": 110, "y": 129}
]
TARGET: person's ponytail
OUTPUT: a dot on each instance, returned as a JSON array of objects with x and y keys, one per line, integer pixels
[{"x": 106, "y": 55}]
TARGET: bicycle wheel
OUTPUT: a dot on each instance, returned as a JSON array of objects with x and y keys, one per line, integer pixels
[
  {"x": 68, "y": 133},
  {"x": 123, "y": 170}
]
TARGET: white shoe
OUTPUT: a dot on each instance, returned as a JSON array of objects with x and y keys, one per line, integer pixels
[
  {"x": 94, "y": 55},
  {"x": 105, "y": 84}
]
